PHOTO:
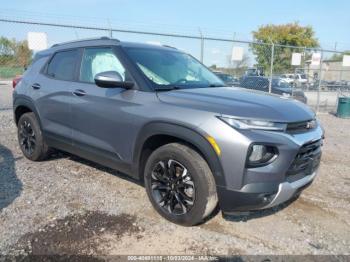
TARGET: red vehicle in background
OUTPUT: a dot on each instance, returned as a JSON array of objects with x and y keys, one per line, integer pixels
[{"x": 16, "y": 80}]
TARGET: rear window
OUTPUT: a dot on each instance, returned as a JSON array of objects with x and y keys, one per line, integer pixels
[
  {"x": 38, "y": 56},
  {"x": 62, "y": 65}
]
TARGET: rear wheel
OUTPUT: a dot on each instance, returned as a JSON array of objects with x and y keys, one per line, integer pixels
[
  {"x": 180, "y": 184},
  {"x": 30, "y": 138}
]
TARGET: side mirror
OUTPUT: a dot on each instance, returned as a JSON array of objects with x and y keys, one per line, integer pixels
[{"x": 112, "y": 79}]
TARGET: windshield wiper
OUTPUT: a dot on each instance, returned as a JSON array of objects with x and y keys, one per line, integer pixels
[
  {"x": 216, "y": 85},
  {"x": 167, "y": 88}
]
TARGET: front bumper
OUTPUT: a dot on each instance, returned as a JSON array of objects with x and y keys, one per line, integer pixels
[
  {"x": 273, "y": 195},
  {"x": 287, "y": 190},
  {"x": 264, "y": 187}
]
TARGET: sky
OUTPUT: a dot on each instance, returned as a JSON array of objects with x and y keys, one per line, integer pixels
[{"x": 220, "y": 18}]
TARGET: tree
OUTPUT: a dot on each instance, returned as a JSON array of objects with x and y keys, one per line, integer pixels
[
  {"x": 14, "y": 53},
  {"x": 339, "y": 57},
  {"x": 23, "y": 54},
  {"x": 283, "y": 36},
  {"x": 6, "y": 51}
]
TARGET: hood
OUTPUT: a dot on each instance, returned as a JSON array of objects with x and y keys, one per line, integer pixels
[{"x": 239, "y": 102}]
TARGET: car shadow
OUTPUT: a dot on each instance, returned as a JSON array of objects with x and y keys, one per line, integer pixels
[
  {"x": 10, "y": 185},
  {"x": 234, "y": 217},
  {"x": 250, "y": 215},
  {"x": 61, "y": 154}
]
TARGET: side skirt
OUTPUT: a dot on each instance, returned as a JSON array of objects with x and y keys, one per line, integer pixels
[{"x": 95, "y": 155}]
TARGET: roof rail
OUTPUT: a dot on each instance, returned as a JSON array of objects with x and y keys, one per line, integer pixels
[
  {"x": 170, "y": 46},
  {"x": 87, "y": 39}
]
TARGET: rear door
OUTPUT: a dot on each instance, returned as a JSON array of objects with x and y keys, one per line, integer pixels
[{"x": 52, "y": 90}]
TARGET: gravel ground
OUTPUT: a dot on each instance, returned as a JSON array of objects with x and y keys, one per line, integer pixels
[{"x": 67, "y": 205}]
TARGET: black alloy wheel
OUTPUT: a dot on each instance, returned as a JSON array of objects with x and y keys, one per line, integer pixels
[
  {"x": 27, "y": 138},
  {"x": 180, "y": 184},
  {"x": 30, "y": 138},
  {"x": 173, "y": 187}
]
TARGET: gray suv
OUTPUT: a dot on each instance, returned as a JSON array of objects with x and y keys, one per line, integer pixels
[{"x": 162, "y": 117}]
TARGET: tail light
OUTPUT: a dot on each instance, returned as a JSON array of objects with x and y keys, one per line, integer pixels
[{"x": 15, "y": 81}]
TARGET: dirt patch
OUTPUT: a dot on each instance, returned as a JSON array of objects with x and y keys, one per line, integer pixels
[{"x": 77, "y": 234}]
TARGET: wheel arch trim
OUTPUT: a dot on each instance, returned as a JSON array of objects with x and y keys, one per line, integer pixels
[
  {"x": 181, "y": 132},
  {"x": 26, "y": 102}
]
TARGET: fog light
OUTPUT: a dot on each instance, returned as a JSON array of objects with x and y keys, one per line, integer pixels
[
  {"x": 258, "y": 151},
  {"x": 260, "y": 155}
]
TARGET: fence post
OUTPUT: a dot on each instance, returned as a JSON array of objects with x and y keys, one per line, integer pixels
[
  {"x": 271, "y": 65},
  {"x": 202, "y": 45},
  {"x": 110, "y": 29},
  {"x": 319, "y": 83}
]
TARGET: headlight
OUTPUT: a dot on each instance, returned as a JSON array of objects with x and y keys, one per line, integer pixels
[{"x": 253, "y": 124}]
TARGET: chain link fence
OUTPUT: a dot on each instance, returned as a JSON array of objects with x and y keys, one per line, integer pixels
[{"x": 259, "y": 66}]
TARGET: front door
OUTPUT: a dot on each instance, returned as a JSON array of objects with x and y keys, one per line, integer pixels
[{"x": 99, "y": 118}]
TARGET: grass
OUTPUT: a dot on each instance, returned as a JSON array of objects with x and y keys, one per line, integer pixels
[{"x": 9, "y": 72}]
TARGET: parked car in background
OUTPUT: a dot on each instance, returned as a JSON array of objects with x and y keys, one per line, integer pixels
[
  {"x": 330, "y": 85},
  {"x": 296, "y": 80},
  {"x": 258, "y": 71},
  {"x": 160, "y": 116},
  {"x": 287, "y": 78},
  {"x": 300, "y": 80},
  {"x": 277, "y": 87},
  {"x": 228, "y": 79}
]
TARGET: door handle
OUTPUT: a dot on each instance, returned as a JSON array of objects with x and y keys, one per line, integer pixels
[
  {"x": 79, "y": 92},
  {"x": 36, "y": 86}
]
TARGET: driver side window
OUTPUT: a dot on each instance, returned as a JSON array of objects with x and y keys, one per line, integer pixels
[{"x": 97, "y": 60}]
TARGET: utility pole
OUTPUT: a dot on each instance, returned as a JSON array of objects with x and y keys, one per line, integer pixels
[
  {"x": 233, "y": 45},
  {"x": 319, "y": 84},
  {"x": 110, "y": 29},
  {"x": 202, "y": 45}
]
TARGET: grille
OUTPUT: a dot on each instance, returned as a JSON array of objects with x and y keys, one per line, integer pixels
[
  {"x": 306, "y": 161},
  {"x": 301, "y": 126}
]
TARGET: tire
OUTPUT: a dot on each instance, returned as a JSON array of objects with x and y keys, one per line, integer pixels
[
  {"x": 180, "y": 184},
  {"x": 30, "y": 138}
]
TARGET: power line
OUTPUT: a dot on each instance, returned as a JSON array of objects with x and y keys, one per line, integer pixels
[
  {"x": 198, "y": 37},
  {"x": 124, "y": 31}
]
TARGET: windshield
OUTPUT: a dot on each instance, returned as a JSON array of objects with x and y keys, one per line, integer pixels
[{"x": 167, "y": 68}]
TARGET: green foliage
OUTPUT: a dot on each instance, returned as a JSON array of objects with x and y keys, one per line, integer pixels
[
  {"x": 14, "y": 53},
  {"x": 9, "y": 72},
  {"x": 290, "y": 35},
  {"x": 339, "y": 57}
]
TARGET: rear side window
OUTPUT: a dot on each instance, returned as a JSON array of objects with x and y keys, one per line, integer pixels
[{"x": 62, "y": 65}]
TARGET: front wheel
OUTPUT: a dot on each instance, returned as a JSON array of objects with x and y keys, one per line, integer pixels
[{"x": 180, "y": 184}]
